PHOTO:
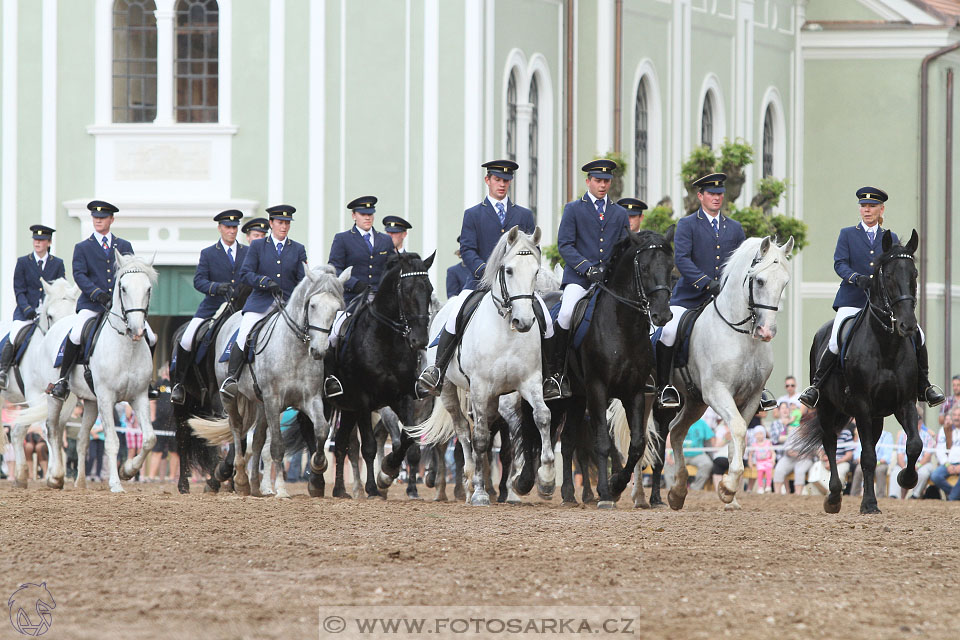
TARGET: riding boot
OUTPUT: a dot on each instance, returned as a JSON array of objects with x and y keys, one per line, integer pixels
[
  {"x": 669, "y": 397},
  {"x": 768, "y": 401},
  {"x": 431, "y": 379},
  {"x": 555, "y": 384},
  {"x": 61, "y": 389},
  {"x": 6, "y": 360},
  {"x": 178, "y": 373},
  {"x": 926, "y": 392},
  {"x": 234, "y": 367},
  {"x": 152, "y": 391},
  {"x": 811, "y": 395}
]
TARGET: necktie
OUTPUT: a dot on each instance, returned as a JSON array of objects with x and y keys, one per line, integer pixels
[
  {"x": 106, "y": 247},
  {"x": 279, "y": 248},
  {"x": 40, "y": 265},
  {"x": 600, "y": 208},
  {"x": 369, "y": 240},
  {"x": 230, "y": 255},
  {"x": 716, "y": 228},
  {"x": 501, "y": 213},
  {"x": 872, "y": 234}
]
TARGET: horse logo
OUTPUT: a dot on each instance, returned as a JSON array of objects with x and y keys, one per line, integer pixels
[{"x": 30, "y": 609}]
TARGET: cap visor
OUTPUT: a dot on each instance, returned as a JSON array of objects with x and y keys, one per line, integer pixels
[
  {"x": 716, "y": 190},
  {"x": 601, "y": 175}
]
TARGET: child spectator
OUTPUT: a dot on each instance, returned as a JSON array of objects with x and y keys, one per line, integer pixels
[{"x": 762, "y": 458}]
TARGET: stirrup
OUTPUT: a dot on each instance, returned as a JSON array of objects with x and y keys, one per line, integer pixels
[
  {"x": 153, "y": 392},
  {"x": 229, "y": 387},
  {"x": 429, "y": 380},
  {"x": 767, "y": 400},
  {"x": 177, "y": 394},
  {"x": 332, "y": 387},
  {"x": 933, "y": 396},
  {"x": 60, "y": 389},
  {"x": 669, "y": 397},
  {"x": 810, "y": 397},
  {"x": 3, "y": 380},
  {"x": 551, "y": 389}
]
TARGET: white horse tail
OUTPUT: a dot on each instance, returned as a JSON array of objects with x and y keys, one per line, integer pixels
[
  {"x": 620, "y": 431},
  {"x": 30, "y": 414},
  {"x": 439, "y": 427},
  {"x": 214, "y": 431},
  {"x": 3, "y": 439}
]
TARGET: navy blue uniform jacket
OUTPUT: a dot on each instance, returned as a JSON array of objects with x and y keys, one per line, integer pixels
[
  {"x": 213, "y": 269},
  {"x": 94, "y": 271},
  {"x": 699, "y": 255},
  {"x": 855, "y": 256},
  {"x": 262, "y": 266},
  {"x": 584, "y": 241},
  {"x": 26, "y": 282},
  {"x": 458, "y": 276},
  {"x": 349, "y": 249},
  {"x": 481, "y": 231}
]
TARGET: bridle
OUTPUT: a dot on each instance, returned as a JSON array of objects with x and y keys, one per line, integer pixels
[
  {"x": 402, "y": 327},
  {"x": 504, "y": 304},
  {"x": 642, "y": 304},
  {"x": 301, "y": 332},
  {"x": 884, "y": 314},
  {"x": 752, "y": 304},
  {"x": 124, "y": 312}
]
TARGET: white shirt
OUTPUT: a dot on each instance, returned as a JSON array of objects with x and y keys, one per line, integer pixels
[
  {"x": 99, "y": 238},
  {"x": 277, "y": 242},
  {"x": 494, "y": 203},
  {"x": 594, "y": 201},
  {"x": 711, "y": 218},
  {"x": 789, "y": 399},
  {"x": 37, "y": 258},
  {"x": 869, "y": 229},
  {"x": 953, "y": 455}
]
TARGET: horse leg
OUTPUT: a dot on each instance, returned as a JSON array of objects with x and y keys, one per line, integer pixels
[
  {"x": 678, "y": 431},
  {"x": 514, "y": 434},
  {"x": 112, "y": 441},
  {"x": 439, "y": 452},
  {"x": 271, "y": 412},
  {"x": 459, "y": 476},
  {"x": 907, "y": 417},
  {"x": 183, "y": 448},
  {"x": 256, "y": 441},
  {"x": 726, "y": 407},
  {"x": 83, "y": 441},
  {"x": 484, "y": 408},
  {"x": 634, "y": 409},
  {"x": 368, "y": 450},
  {"x": 141, "y": 406},
  {"x": 341, "y": 443},
  {"x": 318, "y": 460},
  {"x": 829, "y": 421},
  {"x": 567, "y": 451},
  {"x": 17, "y": 435},
  {"x": 450, "y": 398},
  {"x": 56, "y": 468},
  {"x": 353, "y": 455},
  {"x": 239, "y": 425},
  {"x": 413, "y": 466},
  {"x": 869, "y": 434},
  {"x": 532, "y": 392},
  {"x": 662, "y": 419},
  {"x": 597, "y": 401},
  {"x": 380, "y": 437}
]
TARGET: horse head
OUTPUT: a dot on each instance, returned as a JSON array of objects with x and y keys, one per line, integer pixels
[
  {"x": 894, "y": 287},
  {"x": 324, "y": 300},
  {"x": 765, "y": 273},
  {"x": 641, "y": 269},
  {"x": 405, "y": 291},
  {"x": 59, "y": 301},
  {"x": 131, "y": 293},
  {"x": 511, "y": 277}
]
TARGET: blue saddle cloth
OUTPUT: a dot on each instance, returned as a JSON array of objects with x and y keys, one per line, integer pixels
[
  {"x": 681, "y": 354},
  {"x": 225, "y": 356},
  {"x": 22, "y": 347},
  {"x": 582, "y": 326},
  {"x": 88, "y": 337}
]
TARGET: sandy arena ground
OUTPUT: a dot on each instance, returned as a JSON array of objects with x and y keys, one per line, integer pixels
[{"x": 154, "y": 564}]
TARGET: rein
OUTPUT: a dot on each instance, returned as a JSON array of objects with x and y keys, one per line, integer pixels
[
  {"x": 884, "y": 314},
  {"x": 403, "y": 326},
  {"x": 752, "y": 305},
  {"x": 642, "y": 305},
  {"x": 504, "y": 304},
  {"x": 123, "y": 309},
  {"x": 301, "y": 332}
]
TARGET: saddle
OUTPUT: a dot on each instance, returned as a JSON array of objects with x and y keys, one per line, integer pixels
[
  {"x": 681, "y": 352},
  {"x": 847, "y": 327},
  {"x": 581, "y": 318},
  {"x": 88, "y": 341},
  {"x": 20, "y": 343},
  {"x": 351, "y": 311},
  {"x": 249, "y": 348}
]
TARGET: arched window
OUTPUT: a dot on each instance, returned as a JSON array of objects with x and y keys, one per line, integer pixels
[
  {"x": 768, "y": 142},
  {"x": 706, "y": 121},
  {"x": 534, "y": 151},
  {"x": 134, "y": 61},
  {"x": 195, "y": 68},
  {"x": 512, "y": 117},
  {"x": 640, "y": 141}
]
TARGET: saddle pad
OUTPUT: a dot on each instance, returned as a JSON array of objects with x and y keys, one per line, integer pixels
[
  {"x": 88, "y": 338},
  {"x": 225, "y": 356},
  {"x": 346, "y": 329},
  {"x": 582, "y": 317},
  {"x": 204, "y": 338},
  {"x": 843, "y": 335},
  {"x": 681, "y": 354},
  {"x": 20, "y": 342},
  {"x": 249, "y": 348}
]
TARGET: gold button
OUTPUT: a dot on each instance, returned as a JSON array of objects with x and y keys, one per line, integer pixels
[
  {"x": 278, "y": 275},
  {"x": 871, "y": 252},
  {"x": 278, "y": 262},
  {"x": 233, "y": 281},
  {"x": 601, "y": 239},
  {"x": 718, "y": 257},
  {"x": 369, "y": 276},
  {"x": 718, "y": 246},
  {"x": 601, "y": 250},
  {"x": 871, "y": 264},
  {"x": 371, "y": 266}
]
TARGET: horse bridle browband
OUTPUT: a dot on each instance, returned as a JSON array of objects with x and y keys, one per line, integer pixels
[
  {"x": 504, "y": 304},
  {"x": 885, "y": 313},
  {"x": 123, "y": 309},
  {"x": 752, "y": 305},
  {"x": 403, "y": 327},
  {"x": 643, "y": 303}
]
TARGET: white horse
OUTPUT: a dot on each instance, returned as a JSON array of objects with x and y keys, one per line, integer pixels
[
  {"x": 731, "y": 358},
  {"x": 59, "y": 301},
  {"x": 121, "y": 368},
  {"x": 289, "y": 372},
  {"x": 499, "y": 354}
]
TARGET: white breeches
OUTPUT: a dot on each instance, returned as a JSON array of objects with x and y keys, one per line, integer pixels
[
  {"x": 844, "y": 313},
  {"x": 85, "y": 314},
  {"x": 186, "y": 340},
  {"x": 669, "y": 335},
  {"x": 16, "y": 326},
  {"x": 572, "y": 293},
  {"x": 249, "y": 319},
  {"x": 451, "y": 324},
  {"x": 335, "y": 330}
]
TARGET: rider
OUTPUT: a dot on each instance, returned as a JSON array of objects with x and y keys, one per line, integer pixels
[
  {"x": 397, "y": 227},
  {"x": 853, "y": 262},
  {"x": 702, "y": 234},
  {"x": 635, "y": 209},
  {"x": 483, "y": 224},
  {"x": 217, "y": 276},
  {"x": 28, "y": 290},
  {"x": 273, "y": 267},
  {"x": 256, "y": 228},
  {"x": 93, "y": 264},
  {"x": 366, "y": 250},
  {"x": 458, "y": 275}
]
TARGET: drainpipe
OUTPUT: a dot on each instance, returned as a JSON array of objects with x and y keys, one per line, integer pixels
[
  {"x": 948, "y": 231},
  {"x": 568, "y": 108},
  {"x": 617, "y": 74},
  {"x": 924, "y": 145}
]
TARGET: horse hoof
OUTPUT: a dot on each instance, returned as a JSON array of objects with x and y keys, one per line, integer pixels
[
  {"x": 440, "y": 497},
  {"x": 732, "y": 506},
  {"x": 459, "y": 494},
  {"x": 676, "y": 499},
  {"x": 545, "y": 491},
  {"x": 831, "y": 507},
  {"x": 480, "y": 500},
  {"x": 116, "y": 488},
  {"x": 572, "y": 502},
  {"x": 342, "y": 493},
  {"x": 282, "y": 494},
  {"x": 641, "y": 504},
  {"x": 316, "y": 490},
  {"x": 430, "y": 479},
  {"x": 726, "y": 496},
  {"x": 383, "y": 481},
  {"x": 19, "y": 484},
  {"x": 242, "y": 488},
  {"x": 869, "y": 509},
  {"x": 413, "y": 496},
  {"x": 606, "y": 505},
  {"x": 513, "y": 498},
  {"x": 588, "y": 498},
  {"x": 907, "y": 479},
  {"x": 126, "y": 472},
  {"x": 55, "y": 483}
]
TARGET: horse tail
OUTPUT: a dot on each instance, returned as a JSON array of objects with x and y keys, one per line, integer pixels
[
  {"x": 620, "y": 432},
  {"x": 439, "y": 427},
  {"x": 30, "y": 414},
  {"x": 213, "y": 430},
  {"x": 808, "y": 437}
]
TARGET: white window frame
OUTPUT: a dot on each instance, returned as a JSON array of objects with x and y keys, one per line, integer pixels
[
  {"x": 646, "y": 71},
  {"x": 711, "y": 85},
  {"x": 772, "y": 99}
]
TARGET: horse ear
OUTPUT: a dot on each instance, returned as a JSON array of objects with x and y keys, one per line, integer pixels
[
  {"x": 558, "y": 272},
  {"x": 887, "y": 241},
  {"x": 512, "y": 234},
  {"x": 765, "y": 245},
  {"x": 122, "y": 260},
  {"x": 152, "y": 258},
  {"x": 914, "y": 241},
  {"x": 788, "y": 246},
  {"x": 46, "y": 287},
  {"x": 429, "y": 261},
  {"x": 668, "y": 236},
  {"x": 310, "y": 274},
  {"x": 536, "y": 235},
  {"x": 345, "y": 275}
]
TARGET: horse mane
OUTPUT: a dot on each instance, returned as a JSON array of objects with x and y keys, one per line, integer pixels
[
  {"x": 328, "y": 283},
  {"x": 136, "y": 264},
  {"x": 59, "y": 288},
  {"x": 499, "y": 254},
  {"x": 633, "y": 240},
  {"x": 740, "y": 261}
]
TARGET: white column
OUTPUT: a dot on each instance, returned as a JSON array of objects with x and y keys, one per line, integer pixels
[
  {"x": 681, "y": 119},
  {"x": 489, "y": 92},
  {"x": 606, "y": 41},
  {"x": 431, "y": 134},
  {"x": 8, "y": 157},
  {"x": 165, "y": 15},
  {"x": 744, "y": 96},
  {"x": 48, "y": 116},
  {"x": 275, "y": 103},
  {"x": 521, "y": 188},
  {"x": 316, "y": 130},
  {"x": 472, "y": 105},
  {"x": 342, "y": 172},
  {"x": 407, "y": 116},
  {"x": 225, "y": 63},
  {"x": 796, "y": 358},
  {"x": 103, "y": 67}
]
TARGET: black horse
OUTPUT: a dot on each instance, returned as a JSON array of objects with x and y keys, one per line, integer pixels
[
  {"x": 378, "y": 366},
  {"x": 615, "y": 360},
  {"x": 878, "y": 378}
]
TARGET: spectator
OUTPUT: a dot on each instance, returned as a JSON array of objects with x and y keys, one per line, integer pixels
[
  {"x": 134, "y": 435},
  {"x": 792, "y": 396},
  {"x": 699, "y": 437},
  {"x": 780, "y": 425},
  {"x": 926, "y": 463},
  {"x": 721, "y": 440},
  {"x": 791, "y": 462},
  {"x": 761, "y": 458},
  {"x": 161, "y": 415},
  {"x": 948, "y": 453},
  {"x": 295, "y": 471},
  {"x": 885, "y": 459},
  {"x": 844, "y": 457},
  {"x": 33, "y": 443},
  {"x": 952, "y": 400},
  {"x": 95, "y": 452}
]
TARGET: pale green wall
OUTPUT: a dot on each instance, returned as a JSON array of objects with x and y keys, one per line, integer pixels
[
  {"x": 250, "y": 102},
  {"x": 838, "y": 10},
  {"x": 296, "y": 122},
  {"x": 28, "y": 121}
]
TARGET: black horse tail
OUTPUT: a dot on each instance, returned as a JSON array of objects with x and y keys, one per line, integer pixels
[
  {"x": 195, "y": 452},
  {"x": 808, "y": 437}
]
